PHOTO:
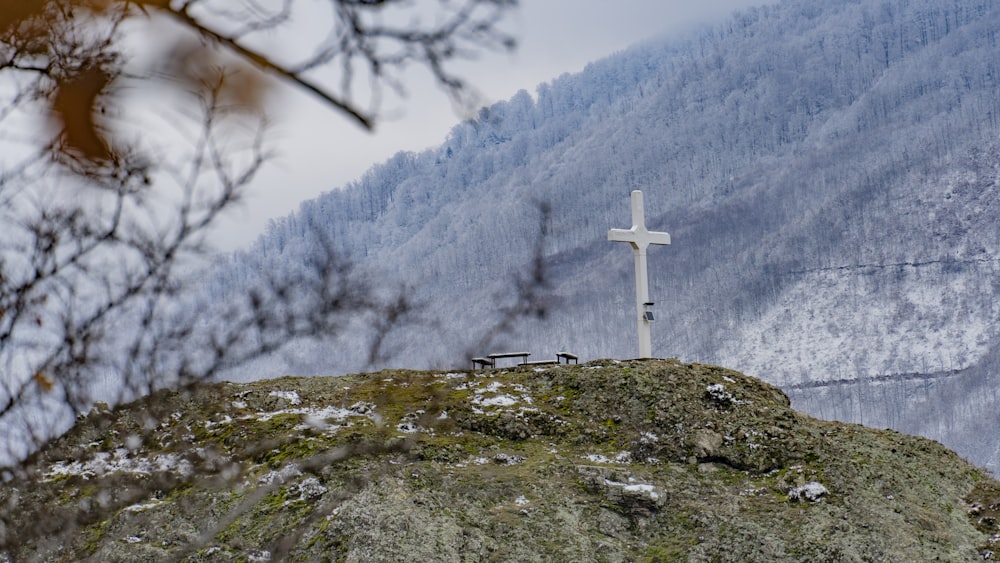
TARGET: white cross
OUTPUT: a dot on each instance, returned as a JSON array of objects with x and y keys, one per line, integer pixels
[{"x": 640, "y": 238}]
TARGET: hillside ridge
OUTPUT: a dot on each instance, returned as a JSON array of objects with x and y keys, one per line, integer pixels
[
  {"x": 785, "y": 150},
  {"x": 643, "y": 460}
]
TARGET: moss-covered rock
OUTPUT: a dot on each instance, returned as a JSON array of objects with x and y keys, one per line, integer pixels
[{"x": 607, "y": 461}]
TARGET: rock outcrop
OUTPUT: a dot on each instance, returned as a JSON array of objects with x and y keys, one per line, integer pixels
[{"x": 609, "y": 461}]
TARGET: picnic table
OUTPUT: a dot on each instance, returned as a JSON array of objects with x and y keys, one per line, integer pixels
[
  {"x": 490, "y": 361},
  {"x": 503, "y": 355}
]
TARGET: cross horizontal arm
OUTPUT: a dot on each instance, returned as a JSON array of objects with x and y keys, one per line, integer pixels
[
  {"x": 657, "y": 237},
  {"x": 621, "y": 235},
  {"x": 638, "y": 237}
]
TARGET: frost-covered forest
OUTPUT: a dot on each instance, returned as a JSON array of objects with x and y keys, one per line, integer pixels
[{"x": 828, "y": 172}]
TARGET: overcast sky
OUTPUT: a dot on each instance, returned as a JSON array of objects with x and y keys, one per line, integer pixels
[{"x": 317, "y": 150}]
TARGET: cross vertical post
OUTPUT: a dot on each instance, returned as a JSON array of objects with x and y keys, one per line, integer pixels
[{"x": 640, "y": 238}]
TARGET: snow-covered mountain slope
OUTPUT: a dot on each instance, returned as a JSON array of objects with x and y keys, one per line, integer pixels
[
  {"x": 918, "y": 297},
  {"x": 828, "y": 172}
]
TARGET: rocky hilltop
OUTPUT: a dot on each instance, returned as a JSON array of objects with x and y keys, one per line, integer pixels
[
  {"x": 608, "y": 461},
  {"x": 829, "y": 172}
]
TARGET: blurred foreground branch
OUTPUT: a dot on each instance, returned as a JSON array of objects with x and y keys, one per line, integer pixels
[{"x": 127, "y": 129}]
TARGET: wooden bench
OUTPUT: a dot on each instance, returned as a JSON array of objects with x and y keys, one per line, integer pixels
[
  {"x": 541, "y": 363},
  {"x": 567, "y": 356},
  {"x": 490, "y": 361},
  {"x": 482, "y": 362},
  {"x": 522, "y": 355}
]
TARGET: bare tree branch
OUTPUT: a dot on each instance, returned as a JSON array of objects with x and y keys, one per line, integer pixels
[
  {"x": 105, "y": 225},
  {"x": 263, "y": 62}
]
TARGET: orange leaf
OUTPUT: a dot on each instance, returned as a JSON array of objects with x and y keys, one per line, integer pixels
[
  {"x": 75, "y": 105},
  {"x": 44, "y": 382},
  {"x": 13, "y": 13}
]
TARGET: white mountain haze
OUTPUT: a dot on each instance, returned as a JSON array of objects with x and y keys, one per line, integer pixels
[{"x": 828, "y": 172}]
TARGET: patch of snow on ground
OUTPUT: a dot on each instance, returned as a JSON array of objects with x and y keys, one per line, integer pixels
[
  {"x": 309, "y": 489},
  {"x": 319, "y": 414},
  {"x": 142, "y": 507},
  {"x": 640, "y": 489},
  {"x": 718, "y": 392},
  {"x": 408, "y": 427},
  {"x": 623, "y": 457},
  {"x": 507, "y": 459},
  {"x": 498, "y": 401},
  {"x": 650, "y": 489},
  {"x": 811, "y": 491},
  {"x": 620, "y": 457},
  {"x": 284, "y": 475},
  {"x": 290, "y": 396},
  {"x": 409, "y": 423},
  {"x": 648, "y": 438},
  {"x": 104, "y": 462},
  {"x": 521, "y": 500},
  {"x": 211, "y": 424}
]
